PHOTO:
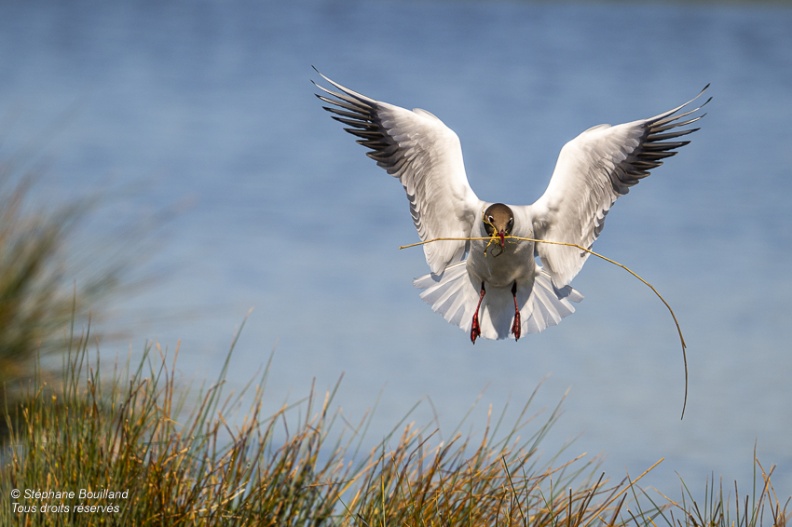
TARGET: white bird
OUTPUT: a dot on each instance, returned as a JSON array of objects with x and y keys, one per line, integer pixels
[{"x": 496, "y": 290}]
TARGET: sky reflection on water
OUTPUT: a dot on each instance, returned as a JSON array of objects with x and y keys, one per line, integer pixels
[{"x": 210, "y": 107}]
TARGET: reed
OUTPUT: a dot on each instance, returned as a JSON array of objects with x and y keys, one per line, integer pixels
[
  {"x": 44, "y": 285},
  {"x": 516, "y": 239},
  {"x": 149, "y": 453}
]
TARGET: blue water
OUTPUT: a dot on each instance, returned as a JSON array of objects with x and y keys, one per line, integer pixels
[{"x": 205, "y": 110}]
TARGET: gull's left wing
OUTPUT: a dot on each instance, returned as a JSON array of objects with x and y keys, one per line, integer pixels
[
  {"x": 592, "y": 171},
  {"x": 426, "y": 156}
]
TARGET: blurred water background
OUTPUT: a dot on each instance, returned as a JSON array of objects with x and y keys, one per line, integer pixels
[{"x": 206, "y": 109}]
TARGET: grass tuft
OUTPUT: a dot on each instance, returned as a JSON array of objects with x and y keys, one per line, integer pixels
[
  {"x": 160, "y": 460},
  {"x": 717, "y": 509},
  {"x": 40, "y": 298}
]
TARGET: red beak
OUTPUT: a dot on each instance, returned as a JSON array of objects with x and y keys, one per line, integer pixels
[{"x": 502, "y": 238}]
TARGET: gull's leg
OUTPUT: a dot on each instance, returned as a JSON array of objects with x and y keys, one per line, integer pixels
[
  {"x": 516, "y": 326},
  {"x": 475, "y": 330}
]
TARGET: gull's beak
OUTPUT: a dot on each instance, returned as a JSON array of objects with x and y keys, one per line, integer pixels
[{"x": 502, "y": 236}]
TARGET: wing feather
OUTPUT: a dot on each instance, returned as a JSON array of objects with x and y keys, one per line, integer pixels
[
  {"x": 425, "y": 155},
  {"x": 592, "y": 171}
]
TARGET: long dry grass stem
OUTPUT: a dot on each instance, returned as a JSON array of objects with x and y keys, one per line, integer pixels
[{"x": 490, "y": 239}]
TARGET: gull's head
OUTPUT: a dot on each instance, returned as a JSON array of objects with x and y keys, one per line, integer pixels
[{"x": 498, "y": 221}]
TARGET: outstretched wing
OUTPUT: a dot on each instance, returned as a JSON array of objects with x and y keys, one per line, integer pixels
[
  {"x": 416, "y": 147},
  {"x": 592, "y": 171}
]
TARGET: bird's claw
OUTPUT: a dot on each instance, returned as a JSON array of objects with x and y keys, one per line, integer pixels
[
  {"x": 516, "y": 326},
  {"x": 475, "y": 330}
]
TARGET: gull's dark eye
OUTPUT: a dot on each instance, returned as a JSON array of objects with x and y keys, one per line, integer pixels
[{"x": 490, "y": 219}]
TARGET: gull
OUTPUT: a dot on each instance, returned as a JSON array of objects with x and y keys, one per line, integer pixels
[{"x": 479, "y": 282}]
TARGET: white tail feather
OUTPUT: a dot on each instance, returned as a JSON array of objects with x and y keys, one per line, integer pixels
[{"x": 454, "y": 295}]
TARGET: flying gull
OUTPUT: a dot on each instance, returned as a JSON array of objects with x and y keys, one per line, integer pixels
[{"x": 494, "y": 290}]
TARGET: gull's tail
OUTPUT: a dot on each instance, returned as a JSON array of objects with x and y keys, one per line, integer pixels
[{"x": 454, "y": 295}]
